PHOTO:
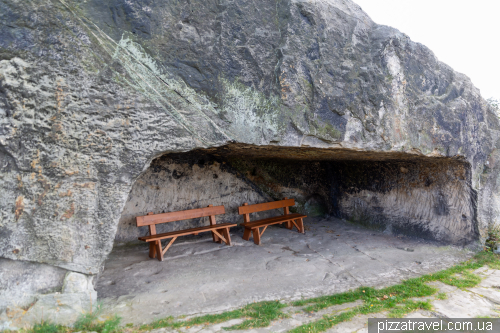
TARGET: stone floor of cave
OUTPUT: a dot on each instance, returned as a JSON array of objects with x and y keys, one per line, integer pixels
[{"x": 198, "y": 276}]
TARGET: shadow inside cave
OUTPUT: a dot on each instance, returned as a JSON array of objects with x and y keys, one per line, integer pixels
[{"x": 401, "y": 193}]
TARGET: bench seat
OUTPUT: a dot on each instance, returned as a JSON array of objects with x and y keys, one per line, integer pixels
[
  {"x": 185, "y": 232},
  {"x": 273, "y": 220}
]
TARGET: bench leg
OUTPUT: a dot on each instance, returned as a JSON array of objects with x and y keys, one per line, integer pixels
[
  {"x": 246, "y": 234},
  {"x": 226, "y": 235},
  {"x": 159, "y": 250},
  {"x": 152, "y": 250},
  {"x": 256, "y": 236},
  {"x": 289, "y": 225},
  {"x": 300, "y": 223},
  {"x": 216, "y": 238}
]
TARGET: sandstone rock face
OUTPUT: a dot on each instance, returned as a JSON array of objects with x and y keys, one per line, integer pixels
[
  {"x": 78, "y": 296},
  {"x": 21, "y": 282},
  {"x": 91, "y": 92},
  {"x": 23, "y": 305},
  {"x": 430, "y": 199}
]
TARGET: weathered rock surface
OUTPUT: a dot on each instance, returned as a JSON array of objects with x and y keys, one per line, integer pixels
[
  {"x": 78, "y": 296},
  {"x": 64, "y": 307},
  {"x": 21, "y": 282},
  {"x": 91, "y": 92}
]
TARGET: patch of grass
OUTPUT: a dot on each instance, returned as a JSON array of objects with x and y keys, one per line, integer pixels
[
  {"x": 325, "y": 323},
  {"x": 441, "y": 296},
  {"x": 165, "y": 322},
  {"x": 259, "y": 314},
  {"x": 373, "y": 307},
  {"x": 465, "y": 280},
  {"x": 47, "y": 327},
  {"x": 109, "y": 326},
  {"x": 493, "y": 239},
  {"x": 401, "y": 310},
  {"x": 488, "y": 258},
  {"x": 91, "y": 322},
  {"x": 390, "y": 296},
  {"x": 85, "y": 321},
  {"x": 327, "y": 301}
]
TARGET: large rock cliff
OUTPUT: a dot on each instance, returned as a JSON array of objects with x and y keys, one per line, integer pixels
[{"x": 92, "y": 91}]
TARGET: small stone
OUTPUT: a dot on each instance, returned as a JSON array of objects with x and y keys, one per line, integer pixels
[{"x": 77, "y": 283}]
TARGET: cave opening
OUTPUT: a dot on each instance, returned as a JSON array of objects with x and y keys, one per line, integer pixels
[
  {"x": 398, "y": 193},
  {"x": 372, "y": 217}
]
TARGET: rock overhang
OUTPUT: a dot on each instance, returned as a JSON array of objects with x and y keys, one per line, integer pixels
[{"x": 336, "y": 153}]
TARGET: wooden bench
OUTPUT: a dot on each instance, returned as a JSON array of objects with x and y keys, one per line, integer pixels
[
  {"x": 254, "y": 227},
  {"x": 220, "y": 232}
]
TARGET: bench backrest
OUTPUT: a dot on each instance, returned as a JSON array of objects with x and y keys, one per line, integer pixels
[
  {"x": 152, "y": 219},
  {"x": 246, "y": 209}
]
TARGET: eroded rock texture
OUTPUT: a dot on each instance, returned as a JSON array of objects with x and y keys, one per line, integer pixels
[
  {"x": 428, "y": 199},
  {"x": 92, "y": 91},
  {"x": 21, "y": 282}
]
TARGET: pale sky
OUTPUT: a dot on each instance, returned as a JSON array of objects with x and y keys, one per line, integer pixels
[{"x": 462, "y": 34}]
